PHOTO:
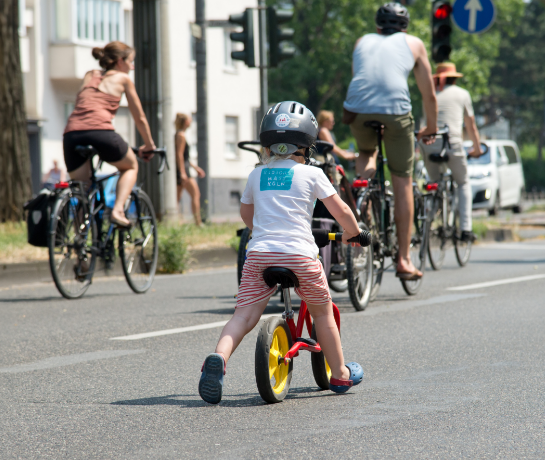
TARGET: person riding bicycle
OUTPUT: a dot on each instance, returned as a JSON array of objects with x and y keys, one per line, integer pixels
[
  {"x": 455, "y": 108},
  {"x": 277, "y": 206},
  {"x": 91, "y": 123},
  {"x": 379, "y": 91}
]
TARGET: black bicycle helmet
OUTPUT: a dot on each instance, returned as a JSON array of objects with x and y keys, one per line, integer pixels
[
  {"x": 287, "y": 127},
  {"x": 392, "y": 18}
]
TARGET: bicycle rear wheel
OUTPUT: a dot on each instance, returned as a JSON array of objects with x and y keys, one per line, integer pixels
[
  {"x": 462, "y": 249},
  {"x": 369, "y": 209},
  {"x": 72, "y": 257},
  {"x": 418, "y": 247},
  {"x": 437, "y": 242},
  {"x": 138, "y": 245}
]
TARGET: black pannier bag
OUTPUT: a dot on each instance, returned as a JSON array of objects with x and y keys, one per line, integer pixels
[{"x": 38, "y": 218}]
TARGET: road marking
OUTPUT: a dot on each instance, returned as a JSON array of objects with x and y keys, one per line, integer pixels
[
  {"x": 400, "y": 306},
  {"x": 520, "y": 279},
  {"x": 179, "y": 330},
  {"x": 61, "y": 361},
  {"x": 521, "y": 246},
  {"x": 410, "y": 304}
]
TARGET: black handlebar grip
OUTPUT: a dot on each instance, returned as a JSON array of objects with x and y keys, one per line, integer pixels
[{"x": 364, "y": 238}]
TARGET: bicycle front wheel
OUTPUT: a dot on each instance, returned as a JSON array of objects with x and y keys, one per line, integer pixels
[
  {"x": 138, "y": 245},
  {"x": 359, "y": 273},
  {"x": 462, "y": 249},
  {"x": 437, "y": 242},
  {"x": 72, "y": 256},
  {"x": 418, "y": 247}
]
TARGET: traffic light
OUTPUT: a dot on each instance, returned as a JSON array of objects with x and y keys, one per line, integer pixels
[
  {"x": 246, "y": 20},
  {"x": 440, "y": 30},
  {"x": 278, "y": 51}
]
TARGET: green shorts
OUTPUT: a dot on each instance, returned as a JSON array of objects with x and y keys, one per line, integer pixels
[{"x": 398, "y": 140}]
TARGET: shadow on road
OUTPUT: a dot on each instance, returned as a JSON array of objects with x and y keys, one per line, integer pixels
[{"x": 252, "y": 400}]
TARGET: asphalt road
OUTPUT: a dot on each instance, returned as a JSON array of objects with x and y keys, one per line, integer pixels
[{"x": 449, "y": 373}]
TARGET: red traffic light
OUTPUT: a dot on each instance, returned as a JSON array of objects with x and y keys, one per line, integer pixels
[{"x": 443, "y": 11}]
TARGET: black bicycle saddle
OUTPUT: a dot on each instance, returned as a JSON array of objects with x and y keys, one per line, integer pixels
[
  {"x": 86, "y": 151},
  {"x": 438, "y": 158},
  {"x": 279, "y": 275},
  {"x": 376, "y": 125}
]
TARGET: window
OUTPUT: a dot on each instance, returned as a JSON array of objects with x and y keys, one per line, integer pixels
[
  {"x": 510, "y": 153},
  {"x": 96, "y": 20},
  {"x": 227, "y": 48},
  {"x": 193, "y": 47},
  {"x": 63, "y": 20},
  {"x": 231, "y": 138}
]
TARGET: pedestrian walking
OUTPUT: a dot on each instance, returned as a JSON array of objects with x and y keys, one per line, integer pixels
[{"x": 183, "y": 180}]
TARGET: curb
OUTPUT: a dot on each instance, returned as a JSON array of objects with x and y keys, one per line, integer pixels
[{"x": 37, "y": 272}]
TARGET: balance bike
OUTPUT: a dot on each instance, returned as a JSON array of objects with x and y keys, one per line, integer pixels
[{"x": 279, "y": 341}]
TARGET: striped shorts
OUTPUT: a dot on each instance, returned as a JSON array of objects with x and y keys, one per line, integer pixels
[{"x": 312, "y": 288}]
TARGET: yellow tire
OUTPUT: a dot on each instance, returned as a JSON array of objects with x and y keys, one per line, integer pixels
[{"x": 273, "y": 377}]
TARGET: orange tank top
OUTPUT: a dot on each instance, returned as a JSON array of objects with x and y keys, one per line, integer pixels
[{"x": 94, "y": 109}]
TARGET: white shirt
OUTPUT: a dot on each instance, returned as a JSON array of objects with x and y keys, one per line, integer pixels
[
  {"x": 453, "y": 103},
  {"x": 283, "y": 195}
]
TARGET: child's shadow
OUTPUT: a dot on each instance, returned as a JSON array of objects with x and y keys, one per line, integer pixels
[{"x": 252, "y": 399}]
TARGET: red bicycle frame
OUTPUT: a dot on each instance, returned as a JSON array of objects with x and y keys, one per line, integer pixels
[{"x": 297, "y": 331}]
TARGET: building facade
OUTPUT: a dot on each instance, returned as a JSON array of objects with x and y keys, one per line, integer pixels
[{"x": 57, "y": 37}]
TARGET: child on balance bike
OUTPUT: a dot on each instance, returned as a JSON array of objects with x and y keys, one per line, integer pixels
[{"x": 277, "y": 206}]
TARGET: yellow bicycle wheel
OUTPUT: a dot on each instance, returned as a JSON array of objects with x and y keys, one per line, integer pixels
[{"x": 273, "y": 377}]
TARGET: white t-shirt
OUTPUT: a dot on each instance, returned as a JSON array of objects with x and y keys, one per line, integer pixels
[
  {"x": 283, "y": 195},
  {"x": 453, "y": 103}
]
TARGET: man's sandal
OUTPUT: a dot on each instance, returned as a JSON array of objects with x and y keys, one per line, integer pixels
[
  {"x": 342, "y": 386},
  {"x": 211, "y": 383}
]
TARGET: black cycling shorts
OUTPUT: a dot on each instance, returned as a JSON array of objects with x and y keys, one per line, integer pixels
[{"x": 110, "y": 146}]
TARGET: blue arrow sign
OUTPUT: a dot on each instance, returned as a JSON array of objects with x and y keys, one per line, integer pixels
[{"x": 473, "y": 16}]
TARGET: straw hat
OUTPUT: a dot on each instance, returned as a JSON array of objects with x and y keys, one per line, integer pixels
[
  {"x": 447, "y": 69},
  {"x": 444, "y": 71}
]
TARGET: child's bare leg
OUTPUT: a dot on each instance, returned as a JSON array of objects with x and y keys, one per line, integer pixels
[
  {"x": 242, "y": 322},
  {"x": 329, "y": 339}
]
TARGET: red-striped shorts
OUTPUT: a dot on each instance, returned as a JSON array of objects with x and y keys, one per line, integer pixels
[{"x": 312, "y": 288}]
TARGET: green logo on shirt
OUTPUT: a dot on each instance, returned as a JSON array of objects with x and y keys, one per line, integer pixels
[{"x": 276, "y": 179}]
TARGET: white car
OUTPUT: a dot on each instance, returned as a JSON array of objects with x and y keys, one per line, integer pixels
[{"x": 497, "y": 179}]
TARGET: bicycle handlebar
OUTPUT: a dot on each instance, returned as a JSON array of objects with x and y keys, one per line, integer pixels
[
  {"x": 162, "y": 152},
  {"x": 243, "y": 145},
  {"x": 323, "y": 237},
  {"x": 444, "y": 133}
]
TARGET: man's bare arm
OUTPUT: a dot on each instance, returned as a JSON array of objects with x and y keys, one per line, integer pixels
[{"x": 473, "y": 133}]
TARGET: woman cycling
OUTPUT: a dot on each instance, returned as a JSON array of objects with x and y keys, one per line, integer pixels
[
  {"x": 326, "y": 121},
  {"x": 183, "y": 179},
  {"x": 91, "y": 123}
]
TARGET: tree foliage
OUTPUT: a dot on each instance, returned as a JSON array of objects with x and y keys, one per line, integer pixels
[{"x": 325, "y": 33}]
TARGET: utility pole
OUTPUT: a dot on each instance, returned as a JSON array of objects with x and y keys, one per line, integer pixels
[
  {"x": 263, "y": 57},
  {"x": 199, "y": 33},
  {"x": 171, "y": 202}
]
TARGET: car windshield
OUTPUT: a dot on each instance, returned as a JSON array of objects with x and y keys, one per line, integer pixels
[{"x": 482, "y": 160}]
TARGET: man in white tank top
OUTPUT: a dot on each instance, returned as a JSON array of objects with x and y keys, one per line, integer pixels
[{"x": 379, "y": 91}]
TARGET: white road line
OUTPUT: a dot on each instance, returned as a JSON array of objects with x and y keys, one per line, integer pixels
[
  {"x": 61, "y": 361},
  {"x": 179, "y": 330},
  {"x": 399, "y": 306},
  {"x": 520, "y": 246},
  {"x": 520, "y": 279}
]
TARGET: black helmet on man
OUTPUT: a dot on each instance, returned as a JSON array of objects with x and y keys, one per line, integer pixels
[
  {"x": 392, "y": 18},
  {"x": 287, "y": 127}
]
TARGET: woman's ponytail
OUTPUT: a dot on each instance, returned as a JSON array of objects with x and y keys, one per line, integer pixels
[{"x": 109, "y": 55}]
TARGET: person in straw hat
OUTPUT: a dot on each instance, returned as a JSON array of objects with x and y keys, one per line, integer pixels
[{"x": 454, "y": 109}]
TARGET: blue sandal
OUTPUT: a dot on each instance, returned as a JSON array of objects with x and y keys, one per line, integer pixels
[
  {"x": 342, "y": 386},
  {"x": 211, "y": 383}
]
